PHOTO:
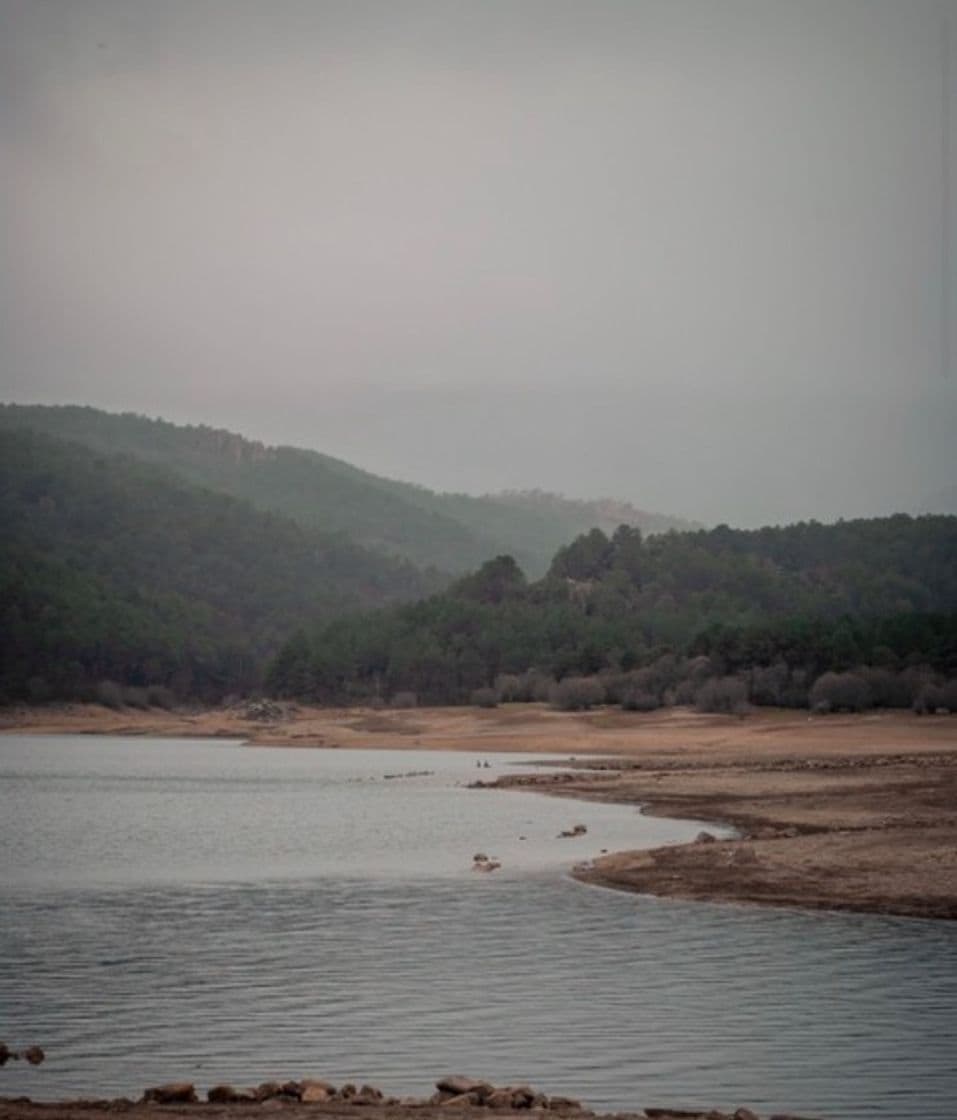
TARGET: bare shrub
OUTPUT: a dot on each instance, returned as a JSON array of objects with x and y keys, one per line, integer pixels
[
  {"x": 722, "y": 694},
  {"x": 649, "y": 680},
  {"x": 616, "y": 684},
  {"x": 136, "y": 697},
  {"x": 917, "y": 678},
  {"x": 795, "y": 693},
  {"x": 937, "y": 698},
  {"x": 159, "y": 696},
  {"x": 637, "y": 701},
  {"x": 485, "y": 698},
  {"x": 509, "y": 688},
  {"x": 698, "y": 669},
  {"x": 642, "y": 691},
  {"x": 109, "y": 694},
  {"x": 926, "y": 700},
  {"x": 769, "y": 684},
  {"x": 537, "y": 686},
  {"x": 948, "y": 695},
  {"x": 577, "y": 694},
  {"x": 665, "y": 672},
  {"x": 887, "y": 689},
  {"x": 684, "y": 692},
  {"x": 837, "y": 692},
  {"x": 404, "y": 700}
]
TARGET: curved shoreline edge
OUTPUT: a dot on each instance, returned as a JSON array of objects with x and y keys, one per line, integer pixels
[
  {"x": 848, "y": 812},
  {"x": 850, "y": 858}
]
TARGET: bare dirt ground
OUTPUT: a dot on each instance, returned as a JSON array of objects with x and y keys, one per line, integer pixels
[{"x": 839, "y": 812}]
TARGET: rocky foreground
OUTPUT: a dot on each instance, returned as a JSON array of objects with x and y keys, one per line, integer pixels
[{"x": 466, "y": 1097}]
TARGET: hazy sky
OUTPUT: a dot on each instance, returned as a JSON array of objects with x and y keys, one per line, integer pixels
[{"x": 683, "y": 252}]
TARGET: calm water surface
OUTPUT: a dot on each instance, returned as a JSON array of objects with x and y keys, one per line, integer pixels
[{"x": 206, "y": 910}]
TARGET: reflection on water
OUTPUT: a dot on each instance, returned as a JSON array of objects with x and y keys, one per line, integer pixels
[{"x": 214, "y": 912}]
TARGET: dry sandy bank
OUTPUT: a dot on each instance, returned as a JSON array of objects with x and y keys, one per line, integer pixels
[
  {"x": 525, "y": 728},
  {"x": 841, "y": 812}
]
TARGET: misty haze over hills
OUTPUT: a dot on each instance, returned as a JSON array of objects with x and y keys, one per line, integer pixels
[
  {"x": 687, "y": 254},
  {"x": 449, "y": 533}
]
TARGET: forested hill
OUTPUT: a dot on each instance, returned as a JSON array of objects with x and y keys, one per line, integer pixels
[
  {"x": 643, "y": 618},
  {"x": 451, "y": 532},
  {"x": 112, "y": 569}
]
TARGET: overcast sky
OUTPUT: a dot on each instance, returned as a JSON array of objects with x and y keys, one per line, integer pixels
[{"x": 682, "y": 252}]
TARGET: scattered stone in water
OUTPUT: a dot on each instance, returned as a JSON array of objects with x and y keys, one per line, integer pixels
[
  {"x": 578, "y": 830},
  {"x": 5, "y": 1054},
  {"x": 482, "y": 862},
  {"x": 176, "y": 1092},
  {"x": 704, "y": 838},
  {"x": 267, "y": 1091},
  {"x": 223, "y": 1094},
  {"x": 314, "y": 1091},
  {"x": 564, "y": 1104},
  {"x": 457, "y": 1084},
  {"x": 454, "y": 1091},
  {"x": 33, "y": 1054}
]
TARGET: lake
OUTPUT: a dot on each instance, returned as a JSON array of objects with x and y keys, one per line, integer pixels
[{"x": 211, "y": 911}]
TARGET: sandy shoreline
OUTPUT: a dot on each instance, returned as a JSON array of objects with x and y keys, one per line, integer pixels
[{"x": 837, "y": 812}]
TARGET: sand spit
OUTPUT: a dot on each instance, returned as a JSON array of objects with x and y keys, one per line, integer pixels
[{"x": 839, "y": 812}]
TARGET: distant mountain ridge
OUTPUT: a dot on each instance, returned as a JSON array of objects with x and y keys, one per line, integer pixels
[
  {"x": 453, "y": 533},
  {"x": 594, "y": 513},
  {"x": 115, "y": 569}
]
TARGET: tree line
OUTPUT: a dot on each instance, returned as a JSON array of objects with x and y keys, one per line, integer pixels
[
  {"x": 718, "y": 618},
  {"x": 122, "y": 582}
]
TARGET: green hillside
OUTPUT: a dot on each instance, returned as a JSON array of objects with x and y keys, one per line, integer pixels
[
  {"x": 451, "y": 532},
  {"x": 111, "y": 568},
  {"x": 116, "y": 569}
]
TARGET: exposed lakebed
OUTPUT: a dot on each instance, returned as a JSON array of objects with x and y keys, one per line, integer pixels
[{"x": 217, "y": 912}]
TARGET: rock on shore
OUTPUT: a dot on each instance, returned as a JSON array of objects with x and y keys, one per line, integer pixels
[
  {"x": 304, "y": 1099},
  {"x": 453, "y": 1092}
]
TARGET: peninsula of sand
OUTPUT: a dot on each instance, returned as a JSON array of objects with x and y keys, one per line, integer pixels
[{"x": 851, "y": 812}]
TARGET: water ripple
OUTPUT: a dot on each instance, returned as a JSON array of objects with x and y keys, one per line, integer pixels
[{"x": 167, "y": 971}]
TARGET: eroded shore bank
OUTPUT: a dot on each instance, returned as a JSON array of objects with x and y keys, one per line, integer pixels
[{"x": 838, "y": 812}]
